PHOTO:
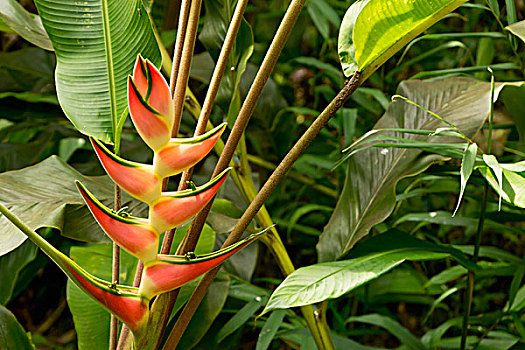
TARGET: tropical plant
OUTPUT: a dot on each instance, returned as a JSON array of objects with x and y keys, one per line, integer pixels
[{"x": 394, "y": 253}]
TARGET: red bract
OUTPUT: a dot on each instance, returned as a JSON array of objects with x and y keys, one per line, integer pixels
[
  {"x": 151, "y": 109},
  {"x": 175, "y": 208},
  {"x": 169, "y": 271},
  {"x": 134, "y": 235},
  {"x": 139, "y": 180},
  {"x": 180, "y": 154}
]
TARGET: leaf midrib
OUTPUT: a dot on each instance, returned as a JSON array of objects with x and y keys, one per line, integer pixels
[
  {"x": 367, "y": 258},
  {"x": 109, "y": 64}
]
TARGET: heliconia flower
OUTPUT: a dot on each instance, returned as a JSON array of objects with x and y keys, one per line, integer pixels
[
  {"x": 139, "y": 180},
  {"x": 183, "y": 153},
  {"x": 150, "y": 104},
  {"x": 124, "y": 302},
  {"x": 135, "y": 235},
  {"x": 168, "y": 272},
  {"x": 175, "y": 208}
]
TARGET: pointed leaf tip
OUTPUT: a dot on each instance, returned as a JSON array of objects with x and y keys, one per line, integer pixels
[
  {"x": 134, "y": 235},
  {"x": 139, "y": 180},
  {"x": 173, "y": 271},
  {"x": 183, "y": 153},
  {"x": 175, "y": 208}
]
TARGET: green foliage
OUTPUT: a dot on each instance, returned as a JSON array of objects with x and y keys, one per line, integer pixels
[
  {"x": 403, "y": 169},
  {"x": 12, "y": 335},
  {"x": 96, "y": 44}
]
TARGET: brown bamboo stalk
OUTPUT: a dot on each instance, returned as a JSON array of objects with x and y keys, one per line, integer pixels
[
  {"x": 258, "y": 202},
  {"x": 115, "y": 275},
  {"x": 248, "y": 106}
]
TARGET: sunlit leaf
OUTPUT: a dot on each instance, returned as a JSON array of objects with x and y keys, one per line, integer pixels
[
  {"x": 319, "y": 282},
  {"x": 383, "y": 28}
]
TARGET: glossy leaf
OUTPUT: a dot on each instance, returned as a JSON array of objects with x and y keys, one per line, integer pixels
[
  {"x": 124, "y": 302},
  {"x": 96, "y": 43},
  {"x": 467, "y": 165},
  {"x": 367, "y": 200},
  {"x": 139, "y": 180},
  {"x": 175, "y": 208},
  {"x": 134, "y": 235},
  {"x": 12, "y": 334},
  {"x": 319, "y": 282},
  {"x": 171, "y": 271},
  {"x": 345, "y": 42},
  {"x": 383, "y": 28},
  {"x": 27, "y": 25},
  {"x": 180, "y": 154}
]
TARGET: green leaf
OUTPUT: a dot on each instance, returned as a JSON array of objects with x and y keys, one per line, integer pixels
[
  {"x": 10, "y": 266},
  {"x": 467, "y": 165},
  {"x": 511, "y": 187},
  {"x": 92, "y": 320},
  {"x": 45, "y": 195},
  {"x": 492, "y": 162},
  {"x": 319, "y": 282},
  {"x": 345, "y": 42},
  {"x": 269, "y": 329},
  {"x": 513, "y": 97},
  {"x": 393, "y": 328},
  {"x": 518, "y": 29},
  {"x": 208, "y": 310},
  {"x": 240, "y": 318},
  {"x": 27, "y": 70},
  {"x": 96, "y": 43},
  {"x": 322, "y": 14},
  {"x": 367, "y": 200},
  {"x": 383, "y": 28},
  {"x": 24, "y": 23},
  {"x": 445, "y": 218},
  {"x": 218, "y": 16},
  {"x": 12, "y": 335}
]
